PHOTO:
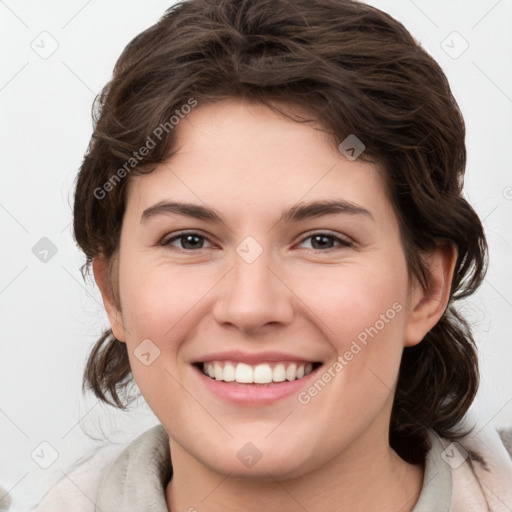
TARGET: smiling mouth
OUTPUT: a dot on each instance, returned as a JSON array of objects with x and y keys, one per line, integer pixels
[{"x": 260, "y": 374}]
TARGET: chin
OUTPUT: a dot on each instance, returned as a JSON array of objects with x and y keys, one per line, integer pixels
[{"x": 264, "y": 460}]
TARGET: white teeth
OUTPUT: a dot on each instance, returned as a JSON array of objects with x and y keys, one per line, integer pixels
[
  {"x": 279, "y": 374},
  {"x": 244, "y": 373},
  {"x": 218, "y": 372},
  {"x": 291, "y": 372},
  {"x": 229, "y": 372},
  {"x": 258, "y": 374},
  {"x": 262, "y": 374}
]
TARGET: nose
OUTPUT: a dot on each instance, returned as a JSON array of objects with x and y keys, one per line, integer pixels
[{"x": 254, "y": 295}]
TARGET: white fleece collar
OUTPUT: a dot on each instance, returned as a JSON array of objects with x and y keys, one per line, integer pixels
[{"x": 138, "y": 477}]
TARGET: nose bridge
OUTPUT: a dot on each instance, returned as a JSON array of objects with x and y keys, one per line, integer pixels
[
  {"x": 251, "y": 273},
  {"x": 253, "y": 295}
]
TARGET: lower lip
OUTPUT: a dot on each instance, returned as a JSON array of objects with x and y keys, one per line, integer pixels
[{"x": 249, "y": 394}]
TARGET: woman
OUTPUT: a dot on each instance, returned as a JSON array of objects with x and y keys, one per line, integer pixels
[{"x": 271, "y": 205}]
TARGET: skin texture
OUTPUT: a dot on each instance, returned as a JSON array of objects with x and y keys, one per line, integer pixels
[{"x": 250, "y": 164}]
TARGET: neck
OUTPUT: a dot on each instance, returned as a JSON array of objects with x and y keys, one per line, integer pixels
[{"x": 357, "y": 480}]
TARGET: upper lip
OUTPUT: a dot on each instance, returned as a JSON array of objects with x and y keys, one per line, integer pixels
[{"x": 254, "y": 358}]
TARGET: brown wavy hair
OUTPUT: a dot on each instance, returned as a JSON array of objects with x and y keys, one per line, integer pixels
[{"x": 356, "y": 70}]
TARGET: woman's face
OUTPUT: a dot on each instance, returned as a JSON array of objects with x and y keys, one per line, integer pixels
[{"x": 252, "y": 279}]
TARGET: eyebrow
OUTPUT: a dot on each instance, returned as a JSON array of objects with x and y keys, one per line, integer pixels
[{"x": 296, "y": 213}]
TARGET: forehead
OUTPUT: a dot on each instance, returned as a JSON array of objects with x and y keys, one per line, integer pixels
[{"x": 241, "y": 155}]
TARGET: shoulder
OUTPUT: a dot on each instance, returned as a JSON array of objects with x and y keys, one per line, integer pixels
[
  {"x": 506, "y": 438},
  {"x": 483, "y": 476},
  {"x": 101, "y": 476},
  {"x": 472, "y": 473},
  {"x": 77, "y": 488}
]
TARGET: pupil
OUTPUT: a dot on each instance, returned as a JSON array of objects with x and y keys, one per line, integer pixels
[
  {"x": 324, "y": 240},
  {"x": 188, "y": 238}
]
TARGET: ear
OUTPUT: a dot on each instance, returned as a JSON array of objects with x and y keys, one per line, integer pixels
[
  {"x": 427, "y": 305},
  {"x": 100, "y": 270}
]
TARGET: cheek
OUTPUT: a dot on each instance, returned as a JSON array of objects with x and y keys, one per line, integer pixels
[
  {"x": 163, "y": 304},
  {"x": 363, "y": 314},
  {"x": 350, "y": 301},
  {"x": 158, "y": 299},
  {"x": 361, "y": 309},
  {"x": 160, "y": 305}
]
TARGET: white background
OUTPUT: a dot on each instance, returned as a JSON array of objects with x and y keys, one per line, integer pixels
[{"x": 50, "y": 317}]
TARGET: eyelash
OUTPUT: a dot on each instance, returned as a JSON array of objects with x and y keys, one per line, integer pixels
[{"x": 342, "y": 242}]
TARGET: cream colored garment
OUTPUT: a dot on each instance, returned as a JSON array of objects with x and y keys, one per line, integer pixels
[{"x": 135, "y": 479}]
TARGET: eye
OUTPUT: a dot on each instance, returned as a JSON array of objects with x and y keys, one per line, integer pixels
[
  {"x": 188, "y": 241},
  {"x": 321, "y": 241}
]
